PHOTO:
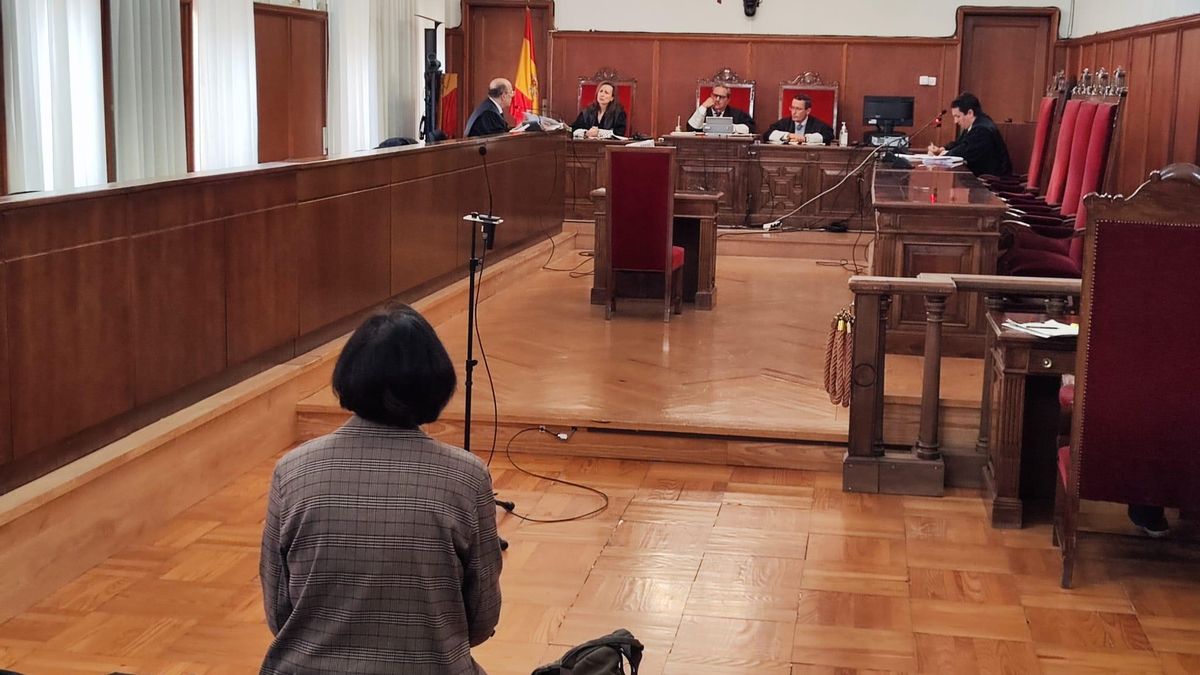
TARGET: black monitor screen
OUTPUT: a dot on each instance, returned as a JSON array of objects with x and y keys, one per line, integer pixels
[{"x": 888, "y": 110}]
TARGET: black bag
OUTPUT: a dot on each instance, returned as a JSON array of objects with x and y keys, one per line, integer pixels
[{"x": 602, "y": 656}]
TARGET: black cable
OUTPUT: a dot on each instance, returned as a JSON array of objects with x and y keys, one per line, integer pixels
[
  {"x": 486, "y": 367},
  {"x": 527, "y": 472}
]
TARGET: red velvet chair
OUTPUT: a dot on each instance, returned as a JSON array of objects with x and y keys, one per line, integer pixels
[
  {"x": 625, "y": 91},
  {"x": 824, "y": 98},
  {"x": 1031, "y": 182},
  {"x": 1135, "y": 431},
  {"x": 741, "y": 92},
  {"x": 641, "y": 214}
]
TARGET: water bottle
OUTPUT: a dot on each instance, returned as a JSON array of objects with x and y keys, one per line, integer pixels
[{"x": 844, "y": 136}]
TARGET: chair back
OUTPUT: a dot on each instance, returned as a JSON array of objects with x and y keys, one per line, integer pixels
[
  {"x": 824, "y": 97},
  {"x": 1072, "y": 190},
  {"x": 1041, "y": 138},
  {"x": 1135, "y": 428},
  {"x": 641, "y": 208},
  {"x": 741, "y": 92},
  {"x": 1062, "y": 152},
  {"x": 626, "y": 88}
]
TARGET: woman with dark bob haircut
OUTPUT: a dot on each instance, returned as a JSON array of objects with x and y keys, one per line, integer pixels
[{"x": 380, "y": 552}]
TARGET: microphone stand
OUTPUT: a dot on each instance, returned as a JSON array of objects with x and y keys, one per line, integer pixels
[{"x": 487, "y": 227}]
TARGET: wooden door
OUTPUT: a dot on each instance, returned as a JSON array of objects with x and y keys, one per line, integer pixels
[
  {"x": 1006, "y": 59},
  {"x": 290, "y": 53},
  {"x": 495, "y": 30}
]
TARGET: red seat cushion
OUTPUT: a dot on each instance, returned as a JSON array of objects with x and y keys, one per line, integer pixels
[
  {"x": 1028, "y": 239},
  {"x": 1064, "y": 465},
  {"x": 676, "y": 257},
  {"x": 1031, "y": 262}
]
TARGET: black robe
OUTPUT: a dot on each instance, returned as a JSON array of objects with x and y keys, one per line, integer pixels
[
  {"x": 811, "y": 126},
  {"x": 739, "y": 117},
  {"x": 486, "y": 120},
  {"x": 983, "y": 148},
  {"x": 587, "y": 120}
]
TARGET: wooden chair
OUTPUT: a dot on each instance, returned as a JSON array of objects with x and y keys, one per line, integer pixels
[
  {"x": 824, "y": 97},
  {"x": 1135, "y": 431},
  {"x": 641, "y": 213},
  {"x": 625, "y": 90},
  {"x": 741, "y": 92}
]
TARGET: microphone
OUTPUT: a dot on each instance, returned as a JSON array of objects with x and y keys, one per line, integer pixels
[
  {"x": 489, "y": 221},
  {"x": 936, "y": 121}
]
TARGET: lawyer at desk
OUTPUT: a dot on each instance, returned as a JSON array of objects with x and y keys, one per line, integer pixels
[
  {"x": 604, "y": 118},
  {"x": 801, "y": 126},
  {"x": 717, "y": 105}
]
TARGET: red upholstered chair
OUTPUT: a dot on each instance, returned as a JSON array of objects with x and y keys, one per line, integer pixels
[
  {"x": 1135, "y": 431},
  {"x": 641, "y": 213},
  {"x": 625, "y": 90},
  {"x": 741, "y": 92},
  {"x": 1032, "y": 180},
  {"x": 824, "y": 97}
]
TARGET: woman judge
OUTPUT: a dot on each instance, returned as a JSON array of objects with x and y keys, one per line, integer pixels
[{"x": 604, "y": 118}]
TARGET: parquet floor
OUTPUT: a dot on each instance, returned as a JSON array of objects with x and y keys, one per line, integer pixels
[{"x": 719, "y": 570}]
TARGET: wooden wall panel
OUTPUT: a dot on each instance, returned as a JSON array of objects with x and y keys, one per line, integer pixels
[
  {"x": 306, "y": 97},
  {"x": 343, "y": 249},
  {"x": 1187, "y": 108},
  {"x": 866, "y": 75},
  {"x": 178, "y": 308},
  {"x": 6, "y": 453},
  {"x": 424, "y": 235},
  {"x": 682, "y": 63},
  {"x": 70, "y": 341},
  {"x": 775, "y": 62},
  {"x": 1135, "y": 131},
  {"x": 493, "y": 33},
  {"x": 1161, "y": 111},
  {"x": 583, "y": 56},
  {"x": 273, "y": 56},
  {"x": 262, "y": 275}
]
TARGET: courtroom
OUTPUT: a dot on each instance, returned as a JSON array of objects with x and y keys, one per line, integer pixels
[{"x": 536, "y": 337}]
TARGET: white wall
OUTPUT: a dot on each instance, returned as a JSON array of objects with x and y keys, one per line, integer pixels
[
  {"x": 926, "y": 18},
  {"x": 1099, "y": 16}
]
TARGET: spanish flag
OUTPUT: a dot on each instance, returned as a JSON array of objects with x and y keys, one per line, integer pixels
[
  {"x": 449, "y": 102},
  {"x": 525, "y": 85}
]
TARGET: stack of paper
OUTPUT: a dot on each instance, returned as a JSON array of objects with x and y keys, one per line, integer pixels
[
  {"x": 1046, "y": 329},
  {"x": 935, "y": 160}
]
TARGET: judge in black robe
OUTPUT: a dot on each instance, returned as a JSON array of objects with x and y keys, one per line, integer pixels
[{"x": 979, "y": 144}]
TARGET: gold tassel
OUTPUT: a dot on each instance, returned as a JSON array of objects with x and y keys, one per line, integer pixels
[{"x": 839, "y": 357}]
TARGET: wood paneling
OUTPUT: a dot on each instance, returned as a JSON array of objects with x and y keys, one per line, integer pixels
[
  {"x": 1022, "y": 42},
  {"x": 493, "y": 32},
  {"x": 289, "y": 47},
  {"x": 1160, "y": 122},
  {"x": 70, "y": 331},
  {"x": 126, "y": 302}
]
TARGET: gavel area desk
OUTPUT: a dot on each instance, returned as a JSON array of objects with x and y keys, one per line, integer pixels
[
  {"x": 1022, "y": 442},
  {"x": 695, "y": 230}
]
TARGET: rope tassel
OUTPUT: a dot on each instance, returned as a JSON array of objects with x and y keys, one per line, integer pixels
[{"x": 839, "y": 357}]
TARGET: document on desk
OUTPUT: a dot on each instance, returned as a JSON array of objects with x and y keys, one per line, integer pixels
[
  {"x": 1044, "y": 329},
  {"x": 935, "y": 160}
]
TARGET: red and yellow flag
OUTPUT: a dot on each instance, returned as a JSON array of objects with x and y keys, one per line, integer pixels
[
  {"x": 449, "y": 102},
  {"x": 525, "y": 85}
]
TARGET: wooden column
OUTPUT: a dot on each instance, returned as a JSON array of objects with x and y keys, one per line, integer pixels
[
  {"x": 885, "y": 304},
  {"x": 927, "y": 441},
  {"x": 991, "y": 303}
]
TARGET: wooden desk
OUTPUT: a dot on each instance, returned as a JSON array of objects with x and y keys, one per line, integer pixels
[
  {"x": 1022, "y": 445},
  {"x": 763, "y": 180},
  {"x": 936, "y": 220},
  {"x": 695, "y": 231}
]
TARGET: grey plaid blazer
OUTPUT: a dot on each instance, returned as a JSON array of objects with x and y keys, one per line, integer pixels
[{"x": 379, "y": 555}]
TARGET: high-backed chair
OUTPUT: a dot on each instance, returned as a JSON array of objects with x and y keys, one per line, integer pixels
[
  {"x": 824, "y": 97},
  {"x": 1031, "y": 181},
  {"x": 741, "y": 92},
  {"x": 1135, "y": 428},
  {"x": 626, "y": 87},
  {"x": 641, "y": 213}
]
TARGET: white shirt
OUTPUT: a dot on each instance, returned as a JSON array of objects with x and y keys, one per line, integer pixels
[{"x": 782, "y": 136}]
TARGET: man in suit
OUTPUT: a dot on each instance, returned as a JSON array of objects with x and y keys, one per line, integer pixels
[
  {"x": 979, "y": 142},
  {"x": 717, "y": 105},
  {"x": 488, "y": 118},
  {"x": 793, "y": 129}
]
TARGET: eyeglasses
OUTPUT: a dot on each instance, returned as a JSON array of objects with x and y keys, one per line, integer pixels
[{"x": 720, "y": 95}]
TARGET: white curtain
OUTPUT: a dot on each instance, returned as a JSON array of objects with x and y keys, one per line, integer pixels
[
  {"x": 225, "y": 117},
  {"x": 148, "y": 89},
  {"x": 353, "y": 114},
  {"x": 375, "y": 72},
  {"x": 53, "y": 94}
]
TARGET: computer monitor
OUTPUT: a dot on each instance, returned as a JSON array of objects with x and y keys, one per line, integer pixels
[{"x": 887, "y": 112}]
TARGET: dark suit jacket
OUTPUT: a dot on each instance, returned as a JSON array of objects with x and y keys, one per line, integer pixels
[
  {"x": 587, "y": 120},
  {"x": 486, "y": 121},
  {"x": 983, "y": 148},
  {"x": 739, "y": 117},
  {"x": 811, "y": 126}
]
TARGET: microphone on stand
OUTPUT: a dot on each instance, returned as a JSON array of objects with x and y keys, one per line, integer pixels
[{"x": 935, "y": 122}]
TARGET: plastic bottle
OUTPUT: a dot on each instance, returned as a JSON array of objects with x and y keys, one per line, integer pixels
[{"x": 843, "y": 136}]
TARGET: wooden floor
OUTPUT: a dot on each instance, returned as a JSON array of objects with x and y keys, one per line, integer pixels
[
  {"x": 718, "y": 570},
  {"x": 752, "y": 368}
]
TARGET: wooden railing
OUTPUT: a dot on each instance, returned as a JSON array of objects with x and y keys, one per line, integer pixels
[{"x": 921, "y": 468}]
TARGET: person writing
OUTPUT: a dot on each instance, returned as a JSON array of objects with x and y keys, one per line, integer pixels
[
  {"x": 717, "y": 105},
  {"x": 379, "y": 550},
  {"x": 793, "y": 129},
  {"x": 604, "y": 118},
  {"x": 488, "y": 117},
  {"x": 979, "y": 142}
]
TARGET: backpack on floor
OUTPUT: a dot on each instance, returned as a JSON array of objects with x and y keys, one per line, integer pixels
[{"x": 602, "y": 656}]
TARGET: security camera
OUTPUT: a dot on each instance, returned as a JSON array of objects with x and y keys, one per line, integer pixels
[{"x": 751, "y": 6}]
